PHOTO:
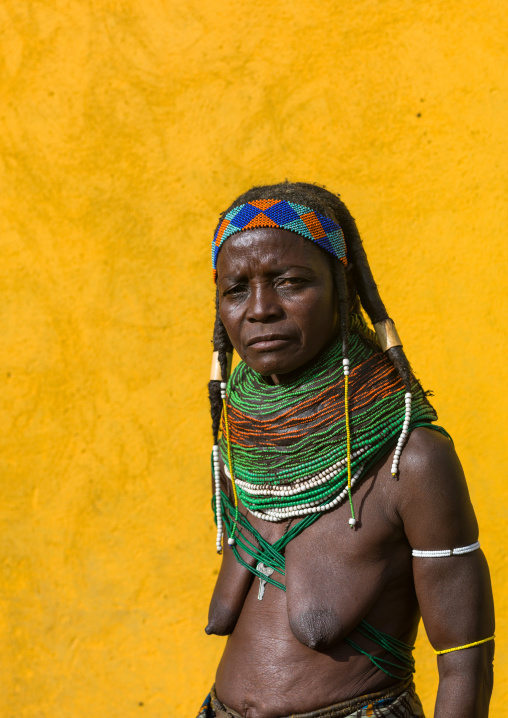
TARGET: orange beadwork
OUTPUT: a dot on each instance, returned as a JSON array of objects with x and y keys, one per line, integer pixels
[{"x": 321, "y": 408}]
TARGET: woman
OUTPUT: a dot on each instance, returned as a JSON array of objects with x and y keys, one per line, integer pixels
[{"x": 342, "y": 508}]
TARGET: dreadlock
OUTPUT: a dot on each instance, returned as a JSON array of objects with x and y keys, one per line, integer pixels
[
  {"x": 222, "y": 345},
  {"x": 320, "y": 200}
]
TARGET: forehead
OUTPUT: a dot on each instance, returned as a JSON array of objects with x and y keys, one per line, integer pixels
[{"x": 269, "y": 249}]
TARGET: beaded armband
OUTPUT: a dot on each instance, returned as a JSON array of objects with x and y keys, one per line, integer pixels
[
  {"x": 447, "y": 552},
  {"x": 468, "y": 645}
]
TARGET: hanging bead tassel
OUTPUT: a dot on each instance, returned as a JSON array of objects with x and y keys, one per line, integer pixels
[
  {"x": 218, "y": 507},
  {"x": 231, "y": 539},
  {"x": 345, "y": 364},
  {"x": 403, "y": 435}
]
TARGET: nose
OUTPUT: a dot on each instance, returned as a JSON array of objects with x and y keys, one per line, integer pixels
[{"x": 264, "y": 304}]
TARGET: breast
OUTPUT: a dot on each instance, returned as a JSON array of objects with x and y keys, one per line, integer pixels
[{"x": 335, "y": 576}]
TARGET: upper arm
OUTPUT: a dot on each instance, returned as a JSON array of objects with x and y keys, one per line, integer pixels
[
  {"x": 454, "y": 592},
  {"x": 434, "y": 502},
  {"x": 233, "y": 582}
]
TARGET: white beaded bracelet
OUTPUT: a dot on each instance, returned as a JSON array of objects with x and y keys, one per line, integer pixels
[{"x": 447, "y": 552}]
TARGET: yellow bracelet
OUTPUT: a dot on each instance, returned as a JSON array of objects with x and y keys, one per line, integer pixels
[{"x": 468, "y": 645}]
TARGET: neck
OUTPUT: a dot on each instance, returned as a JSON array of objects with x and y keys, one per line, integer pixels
[{"x": 277, "y": 379}]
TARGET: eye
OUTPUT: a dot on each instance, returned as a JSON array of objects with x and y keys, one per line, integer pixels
[
  {"x": 235, "y": 290},
  {"x": 289, "y": 281}
]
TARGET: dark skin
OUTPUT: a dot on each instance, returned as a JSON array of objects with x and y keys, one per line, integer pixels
[{"x": 286, "y": 653}]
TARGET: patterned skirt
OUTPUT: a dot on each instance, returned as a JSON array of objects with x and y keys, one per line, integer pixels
[{"x": 399, "y": 701}]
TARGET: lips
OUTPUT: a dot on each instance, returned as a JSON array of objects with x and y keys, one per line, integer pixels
[{"x": 265, "y": 342}]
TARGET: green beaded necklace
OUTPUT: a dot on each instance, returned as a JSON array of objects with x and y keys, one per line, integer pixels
[{"x": 288, "y": 441}]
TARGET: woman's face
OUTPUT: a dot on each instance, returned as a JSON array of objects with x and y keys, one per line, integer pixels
[{"x": 276, "y": 299}]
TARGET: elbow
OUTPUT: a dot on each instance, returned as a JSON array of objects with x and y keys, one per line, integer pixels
[
  {"x": 215, "y": 628},
  {"x": 465, "y": 682},
  {"x": 222, "y": 619},
  {"x": 488, "y": 675}
]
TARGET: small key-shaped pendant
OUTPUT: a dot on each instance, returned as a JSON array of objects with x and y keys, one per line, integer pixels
[{"x": 267, "y": 571}]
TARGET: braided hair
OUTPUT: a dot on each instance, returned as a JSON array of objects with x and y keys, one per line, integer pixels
[{"x": 320, "y": 200}]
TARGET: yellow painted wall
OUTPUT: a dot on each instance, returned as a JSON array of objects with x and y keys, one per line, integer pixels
[{"x": 125, "y": 127}]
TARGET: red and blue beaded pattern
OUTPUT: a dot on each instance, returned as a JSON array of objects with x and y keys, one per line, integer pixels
[{"x": 281, "y": 214}]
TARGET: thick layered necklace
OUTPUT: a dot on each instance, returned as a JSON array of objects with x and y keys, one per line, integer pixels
[{"x": 287, "y": 448}]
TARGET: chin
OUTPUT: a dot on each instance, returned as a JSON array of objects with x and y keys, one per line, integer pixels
[
  {"x": 266, "y": 369},
  {"x": 266, "y": 366}
]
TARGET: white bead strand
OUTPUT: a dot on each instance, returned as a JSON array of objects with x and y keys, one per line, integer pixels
[
  {"x": 304, "y": 509},
  {"x": 298, "y": 486},
  {"x": 218, "y": 510},
  {"x": 403, "y": 434}
]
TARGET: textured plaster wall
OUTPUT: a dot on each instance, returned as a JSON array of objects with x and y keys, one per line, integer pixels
[{"x": 125, "y": 127}]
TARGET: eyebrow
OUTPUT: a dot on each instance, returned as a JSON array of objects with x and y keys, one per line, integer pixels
[{"x": 274, "y": 272}]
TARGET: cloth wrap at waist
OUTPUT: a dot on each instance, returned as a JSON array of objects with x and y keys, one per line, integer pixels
[{"x": 399, "y": 701}]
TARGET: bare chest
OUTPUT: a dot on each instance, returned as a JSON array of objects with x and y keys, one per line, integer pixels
[{"x": 335, "y": 576}]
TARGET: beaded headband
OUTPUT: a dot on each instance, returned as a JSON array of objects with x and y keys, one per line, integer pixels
[{"x": 280, "y": 214}]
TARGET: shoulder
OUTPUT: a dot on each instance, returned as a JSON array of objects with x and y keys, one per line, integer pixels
[
  {"x": 429, "y": 462},
  {"x": 432, "y": 497}
]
